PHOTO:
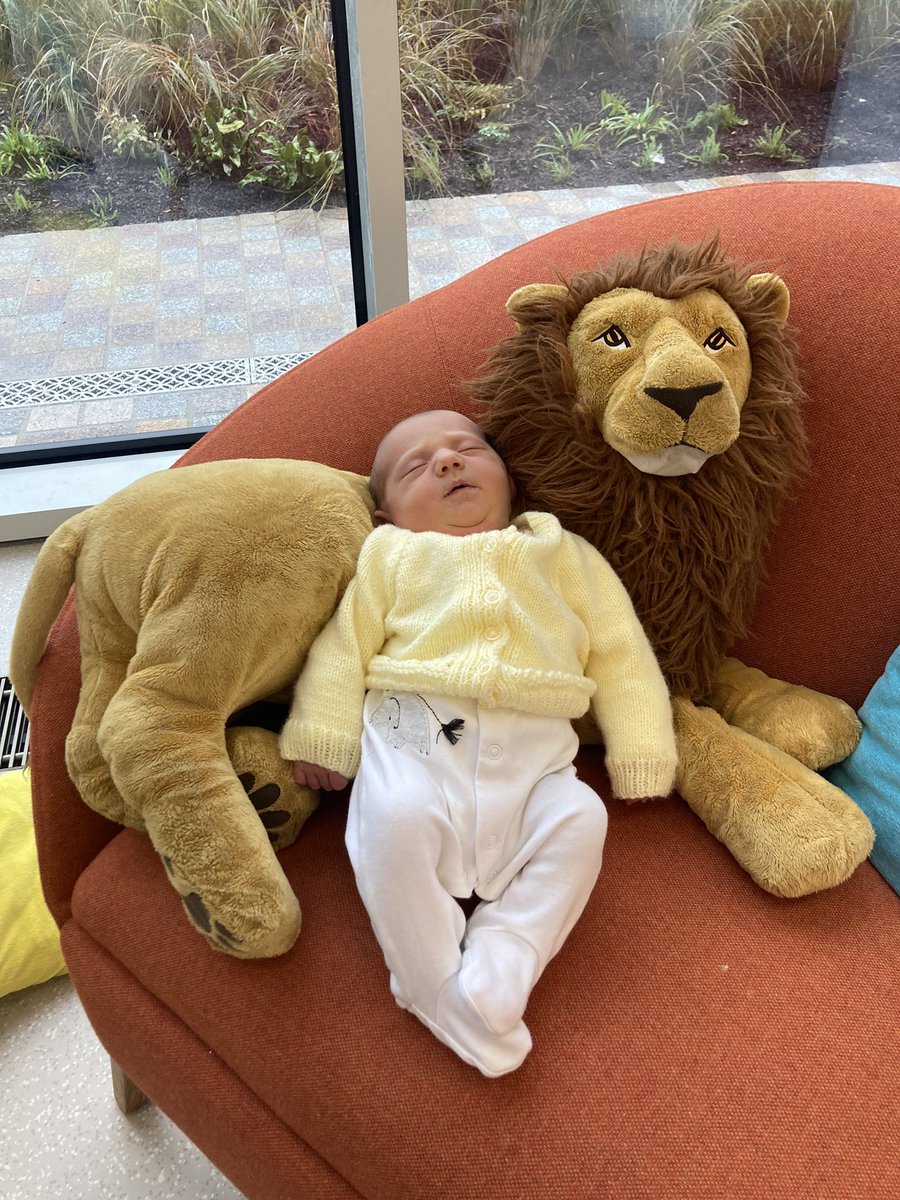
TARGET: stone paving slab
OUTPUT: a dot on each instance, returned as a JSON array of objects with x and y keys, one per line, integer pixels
[{"x": 129, "y": 301}]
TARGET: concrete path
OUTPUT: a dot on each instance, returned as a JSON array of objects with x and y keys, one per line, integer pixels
[{"x": 141, "y": 328}]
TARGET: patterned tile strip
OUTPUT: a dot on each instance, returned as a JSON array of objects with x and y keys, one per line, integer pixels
[{"x": 111, "y": 385}]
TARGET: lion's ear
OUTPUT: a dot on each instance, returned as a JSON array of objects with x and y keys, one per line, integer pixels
[
  {"x": 520, "y": 305},
  {"x": 775, "y": 291}
]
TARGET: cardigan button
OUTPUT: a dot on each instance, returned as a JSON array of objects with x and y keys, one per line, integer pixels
[{"x": 492, "y": 596}]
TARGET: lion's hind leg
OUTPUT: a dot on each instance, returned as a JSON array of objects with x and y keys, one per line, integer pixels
[
  {"x": 816, "y": 729},
  {"x": 105, "y": 654}
]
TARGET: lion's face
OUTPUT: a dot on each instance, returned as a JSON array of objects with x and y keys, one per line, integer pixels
[{"x": 665, "y": 380}]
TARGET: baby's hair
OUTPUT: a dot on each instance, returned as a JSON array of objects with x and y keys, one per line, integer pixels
[
  {"x": 376, "y": 485},
  {"x": 376, "y": 478}
]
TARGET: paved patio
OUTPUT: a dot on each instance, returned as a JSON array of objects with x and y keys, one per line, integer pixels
[{"x": 143, "y": 328}]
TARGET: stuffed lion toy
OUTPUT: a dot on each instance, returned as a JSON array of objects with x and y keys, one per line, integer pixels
[
  {"x": 653, "y": 406},
  {"x": 198, "y": 592}
]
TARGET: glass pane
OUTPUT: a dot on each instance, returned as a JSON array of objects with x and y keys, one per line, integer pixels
[
  {"x": 171, "y": 210},
  {"x": 523, "y": 115}
]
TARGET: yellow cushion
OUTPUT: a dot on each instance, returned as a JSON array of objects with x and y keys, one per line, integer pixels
[{"x": 29, "y": 939}]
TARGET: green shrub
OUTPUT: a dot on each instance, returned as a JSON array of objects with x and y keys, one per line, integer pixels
[
  {"x": 577, "y": 139},
  {"x": 293, "y": 165},
  {"x": 773, "y": 143},
  {"x": 18, "y": 202},
  {"x": 102, "y": 211},
  {"x": 33, "y": 155},
  {"x": 222, "y": 136},
  {"x": 710, "y": 152},
  {"x": 716, "y": 118},
  {"x": 651, "y": 155},
  {"x": 627, "y": 125},
  {"x": 494, "y": 131},
  {"x": 126, "y": 137}
]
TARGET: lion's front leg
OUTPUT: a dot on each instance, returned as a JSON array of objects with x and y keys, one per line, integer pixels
[
  {"x": 813, "y": 728},
  {"x": 280, "y": 802},
  {"x": 793, "y": 832}
]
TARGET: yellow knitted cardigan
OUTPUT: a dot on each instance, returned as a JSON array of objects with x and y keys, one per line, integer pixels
[{"x": 530, "y": 617}]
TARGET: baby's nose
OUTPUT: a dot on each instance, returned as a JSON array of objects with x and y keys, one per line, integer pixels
[{"x": 446, "y": 460}]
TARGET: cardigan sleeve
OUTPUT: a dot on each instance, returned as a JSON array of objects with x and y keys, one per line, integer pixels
[
  {"x": 324, "y": 725},
  {"x": 631, "y": 704}
]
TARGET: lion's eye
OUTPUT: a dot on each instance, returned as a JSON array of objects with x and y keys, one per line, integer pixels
[
  {"x": 613, "y": 337},
  {"x": 718, "y": 340}
]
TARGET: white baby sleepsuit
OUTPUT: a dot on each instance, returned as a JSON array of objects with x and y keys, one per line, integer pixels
[{"x": 476, "y": 652}]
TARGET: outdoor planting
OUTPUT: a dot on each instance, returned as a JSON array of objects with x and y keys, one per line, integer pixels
[{"x": 152, "y": 109}]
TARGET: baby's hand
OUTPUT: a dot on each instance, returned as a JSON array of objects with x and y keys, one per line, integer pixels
[{"x": 313, "y": 776}]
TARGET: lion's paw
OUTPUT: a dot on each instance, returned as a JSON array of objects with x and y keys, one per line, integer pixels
[
  {"x": 282, "y": 804},
  {"x": 264, "y": 799},
  {"x": 812, "y": 727},
  {"x": 260, "y": 940},
  {"x": 218, "y": 936}
]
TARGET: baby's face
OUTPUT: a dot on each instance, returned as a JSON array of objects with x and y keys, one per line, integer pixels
[{"x": 439, "y": 474}]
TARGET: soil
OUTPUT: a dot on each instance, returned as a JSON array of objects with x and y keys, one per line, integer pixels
[{"x": 854, "y": 120}]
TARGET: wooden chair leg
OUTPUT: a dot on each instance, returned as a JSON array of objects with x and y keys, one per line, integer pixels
[{"x": 129, "y": 1096}]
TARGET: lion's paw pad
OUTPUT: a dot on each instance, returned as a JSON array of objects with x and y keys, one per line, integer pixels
[
  {"x": 214, "y": 931},
  {"x": 262, "y": 798}
]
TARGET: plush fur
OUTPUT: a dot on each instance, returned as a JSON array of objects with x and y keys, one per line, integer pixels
[
  {"x": 654, "y": 406},
  {"x": 689, "y": 548},
  {"x": 198, "y": 592}
]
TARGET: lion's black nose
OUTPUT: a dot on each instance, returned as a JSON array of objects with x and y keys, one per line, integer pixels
[{"x": 682, "y": 400}]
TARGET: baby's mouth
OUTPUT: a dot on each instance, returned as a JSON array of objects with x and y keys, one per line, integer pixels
[{"x": 456, "y": 487}]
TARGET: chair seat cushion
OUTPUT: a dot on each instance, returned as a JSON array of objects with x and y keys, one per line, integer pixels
[{"x": 695, "y": 1036}]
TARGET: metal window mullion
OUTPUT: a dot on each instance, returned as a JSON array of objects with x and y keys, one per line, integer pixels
[{"x": 367, "y": 53}]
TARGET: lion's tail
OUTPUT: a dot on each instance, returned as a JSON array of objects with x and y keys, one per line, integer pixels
[{"x": 53, "y": 575}]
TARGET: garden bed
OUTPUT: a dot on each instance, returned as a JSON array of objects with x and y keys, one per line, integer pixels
[{"x": 856, "y": 119}]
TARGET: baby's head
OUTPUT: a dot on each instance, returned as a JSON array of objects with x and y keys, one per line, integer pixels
[{"x": 435, "y": 471}]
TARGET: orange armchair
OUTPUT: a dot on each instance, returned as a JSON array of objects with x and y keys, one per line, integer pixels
[{"x": 696, "y": 1037}]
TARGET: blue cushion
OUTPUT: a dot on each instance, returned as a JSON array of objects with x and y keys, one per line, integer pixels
[{"x": 871, "y": 775}]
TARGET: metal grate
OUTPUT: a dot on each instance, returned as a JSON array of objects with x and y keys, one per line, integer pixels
[
  {"x": 148, "y": 381},
  {"x": 14, "y": 728}
]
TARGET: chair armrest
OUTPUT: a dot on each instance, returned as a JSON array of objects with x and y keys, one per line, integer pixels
[{"x": 69, "y": 834}]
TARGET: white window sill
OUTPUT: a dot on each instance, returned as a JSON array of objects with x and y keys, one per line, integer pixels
[{"x": 35, "y": 500}]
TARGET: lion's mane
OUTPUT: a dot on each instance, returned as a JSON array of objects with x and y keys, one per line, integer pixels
[{"x": 689, "y": 549}]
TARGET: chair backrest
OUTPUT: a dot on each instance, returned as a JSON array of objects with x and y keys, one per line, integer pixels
[{"x": 828, "y": 614}]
